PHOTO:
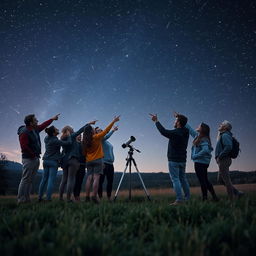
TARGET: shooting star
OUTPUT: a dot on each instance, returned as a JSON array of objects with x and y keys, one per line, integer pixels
[
  {"x": 15, "y": 110},
  {"x": 58, "y": 90}
]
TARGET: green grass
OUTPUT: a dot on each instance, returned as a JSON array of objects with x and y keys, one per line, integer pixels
[{"x": 129, "y": 228}]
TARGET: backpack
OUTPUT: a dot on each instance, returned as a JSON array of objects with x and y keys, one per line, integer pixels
[{"x": 235, "y": 147}]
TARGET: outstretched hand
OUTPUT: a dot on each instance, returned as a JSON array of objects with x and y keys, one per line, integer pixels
[
  {"x": 115, "y": 128},
  {"x": 154, "y": 117},
  {"x": 116, "y": 119},
  {"x": 175, "y": 114},
  {"x": 93, "y": 122},
  {"x": 56, "y": 117}
]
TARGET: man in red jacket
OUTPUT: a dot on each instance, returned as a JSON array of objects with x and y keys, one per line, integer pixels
[{"x": 31, "y": 149}]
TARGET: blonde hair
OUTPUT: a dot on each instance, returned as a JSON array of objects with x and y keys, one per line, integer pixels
[{"x": 66, "y": 129}]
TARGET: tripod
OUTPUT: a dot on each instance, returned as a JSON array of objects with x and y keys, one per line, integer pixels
[{"x": 129, "y": 161}]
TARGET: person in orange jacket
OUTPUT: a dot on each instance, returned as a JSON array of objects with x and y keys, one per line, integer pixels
[{"x": 93, "y": 151}]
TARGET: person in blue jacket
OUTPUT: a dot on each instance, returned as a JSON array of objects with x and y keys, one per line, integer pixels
[
  {"x": 201, "y": 156},
  {"x": 223, "y": 158},
  {"x": 51, "y": 161},
  {"x": 108, "y": 160}
]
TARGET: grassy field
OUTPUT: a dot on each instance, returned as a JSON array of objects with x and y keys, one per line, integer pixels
[{"x": 130, "y": 228}]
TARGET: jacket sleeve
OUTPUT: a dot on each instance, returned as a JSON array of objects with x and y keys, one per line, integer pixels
[
  {"x": 167, "y": 133},
  {"x": 103, "y": 133},
  {"x": 106, "y": 137},
  {"x": 44, "y": 125},
  {"x": 192, "y": 132},
  {"x": 64, "y": 142},
  {"x": 75, "y": 134},
  {"x": 227, "y": 145},
  {"x": 24, "y": 145},
  {"x": 204, "y": 150}
]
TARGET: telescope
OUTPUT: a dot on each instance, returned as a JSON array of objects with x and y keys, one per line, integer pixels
[{"x": 132, "y": 138}]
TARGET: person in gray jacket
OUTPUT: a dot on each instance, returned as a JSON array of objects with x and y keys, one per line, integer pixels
[
  {"x": 51, "y": 161},
  {"x": 70, "y": 160},
  {"x": 223, "y": 158},
  {"x": 201, "y": 156}
]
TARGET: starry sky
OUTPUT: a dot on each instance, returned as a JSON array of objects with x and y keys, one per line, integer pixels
[{"x": 96, "y": 59}]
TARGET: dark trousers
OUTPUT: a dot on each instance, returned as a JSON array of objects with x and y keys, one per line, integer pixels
[
  {"x": 79, "y": 180},
  {"x": 201, "y": 172},
  {"x": 108, "y": 172}
]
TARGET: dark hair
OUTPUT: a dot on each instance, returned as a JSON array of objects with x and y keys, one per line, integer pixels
[
  {"x": 50, "y": 130},
  {"x": 204, "y": 133},
  {"x": 28, "y": 119},
  {"x": 182, "y": 119},
  {"x": 87, "y": 138}
]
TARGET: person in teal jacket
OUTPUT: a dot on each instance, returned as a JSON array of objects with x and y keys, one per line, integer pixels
[
  {"x": 108, "y": 160},
  {"x": 223, "y": 158},
  {"x": 201, "y": 156}
]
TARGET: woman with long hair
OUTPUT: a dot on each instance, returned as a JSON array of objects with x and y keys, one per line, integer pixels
[
  {"x": 93, "y": 151},
  {"x": 70, "y": 160},
  {"x": 51, "y": 161},
  {"x": 201, "y": 155}
]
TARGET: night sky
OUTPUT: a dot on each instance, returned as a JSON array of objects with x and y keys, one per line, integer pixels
[{"x": 96, "y": 59}]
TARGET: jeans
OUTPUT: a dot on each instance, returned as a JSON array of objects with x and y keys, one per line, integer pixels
[
  {"x": 49, "y": 177},
  {"x": 29, "y": 170},
  {"x": 179, "y": 180},
  {"x": 79, "y": 180},
  {"x": 201, "y": 172},
  {"x": 69, "y": 177},
  {"x": 108, "y": 172}
]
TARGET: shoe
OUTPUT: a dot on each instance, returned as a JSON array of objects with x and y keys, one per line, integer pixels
[
  {"x": 41, "y": 200},
  {"x": 215, "y": 199},
  {"x": 95, "y": 200},
  {"x": 70, "y": 201},
  {"x": 87, "y": 199},
  {"x": 240, "y": 194},
  {"x": 177, "y": 203}
]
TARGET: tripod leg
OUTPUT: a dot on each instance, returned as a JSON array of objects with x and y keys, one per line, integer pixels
[
  {"x": 118, "y": 187},
  {"x": 144, "y": 187}
]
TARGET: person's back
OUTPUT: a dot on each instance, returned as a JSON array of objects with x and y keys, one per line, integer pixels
[
  {"x": 96, "y": 150},
  {"x": 52, "y": 148}
]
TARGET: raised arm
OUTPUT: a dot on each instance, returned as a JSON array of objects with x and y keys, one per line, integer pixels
[
  {"x": 107, "y": 129},
  {"x": 161, "y": 129},
  {"x": 192, "y": 132},
  {"x": 107, "y": 136},
  {"x": 66, "y": 142},
  {"x": 167, "y": 133},
  {"x": 42, "y": 126}
]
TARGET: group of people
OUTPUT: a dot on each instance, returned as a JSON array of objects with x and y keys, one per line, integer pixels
[
  {"x": 94, "y": 152},
  {"x": 200, "y": 154}
]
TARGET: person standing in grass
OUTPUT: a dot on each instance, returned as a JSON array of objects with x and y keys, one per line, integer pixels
[
  {"x": 223, "y": 152},
  {"x": 201, "y": 156},
  {"x": 30, "y": 144},
  {"x": 108, "y": 161},
  {"x": 51, "y": 161},
  {"x": 70, "y": 160},
  {"x": 93, "y": 151},
  {"x": 177, "y": 154},
  {"x": 81, "y": 171}
]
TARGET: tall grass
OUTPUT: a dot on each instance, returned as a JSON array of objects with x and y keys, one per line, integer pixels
[{"x": 129, "y": 228}]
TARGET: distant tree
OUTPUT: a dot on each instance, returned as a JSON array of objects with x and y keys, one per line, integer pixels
[
  {"x": 3, "y": 157},
  {"x": 3, "y": 182}
]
